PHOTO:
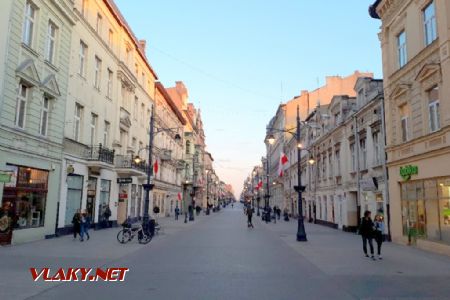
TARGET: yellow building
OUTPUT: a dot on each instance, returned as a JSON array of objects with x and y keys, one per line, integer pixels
[{"x": 415, "y": 40}]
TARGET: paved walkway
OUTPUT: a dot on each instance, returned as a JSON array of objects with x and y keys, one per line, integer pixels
[{"x": 218, "y": 257}]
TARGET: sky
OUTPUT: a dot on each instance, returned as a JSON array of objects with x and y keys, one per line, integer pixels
[{"x": 240, "y": 59}]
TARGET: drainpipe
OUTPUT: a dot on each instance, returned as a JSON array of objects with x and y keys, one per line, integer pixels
[
  {"x": 385, "y": 170},
  {"x": 358, "y": 179}
]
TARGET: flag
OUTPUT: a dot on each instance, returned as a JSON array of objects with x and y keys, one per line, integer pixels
[
  {"x": 260, "y": 184},
  {"x": 156, "y": 167},
  {"x": 283, "y": 161},
  {"x": 179, "y": 196}
]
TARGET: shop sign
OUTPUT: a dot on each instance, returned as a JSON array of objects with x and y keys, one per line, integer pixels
[
  {"x": 407, "y": 171},
  {"x": 123, "y": 196},
  {"x": 125, "y": 180},
  {"x": 5, "y": 177}
]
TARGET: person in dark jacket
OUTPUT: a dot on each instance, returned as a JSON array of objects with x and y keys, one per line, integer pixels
[
  {"x": 379, "y": 231},
  {"x": 85, "y": 224},
  {"x": 249, "y": 212},
  {"x": 366, "y": 230},
  {"x": 76, "y": 221}
]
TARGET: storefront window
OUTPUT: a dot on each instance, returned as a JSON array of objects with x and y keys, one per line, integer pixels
[
  {"x": 426, "y": 209},
  {"x": 26, "y": 197},
  {"x": 74, "y": 195}
]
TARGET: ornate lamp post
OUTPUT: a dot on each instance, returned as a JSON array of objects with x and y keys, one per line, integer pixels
[
  {"x": 301, "y": 233},
  {"x": 149, "y": 185}
]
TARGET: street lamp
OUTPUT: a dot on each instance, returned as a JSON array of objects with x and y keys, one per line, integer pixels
[
  {"x": 301, "y": 233},
  {"x": 149, "y": 186}
]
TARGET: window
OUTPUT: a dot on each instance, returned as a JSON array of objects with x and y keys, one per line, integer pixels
[
  {"x": 21, "y": 106},
  {"x": 77, "y": 121},
  {"x": 44, "y": 116},
  {"x": 401, "y": 49},
  {"x": 133, "y": 144},
  {"x": 27, "y": 196},
  {"x": 330, "y": 165},
  {"x": 93, "y": 126},
  {"x": 83, "y": 52},
  {"x": 353, "y": 155},
  {"x": 98, "y": 25},
  {"x": 51, "y": 40},
  {"x": 376, "y": 147},
  {"x": 28, "y": 26},
  {"x": 98, "y": 72},
  {"x": 362, "y": 145},
  {"x": 429, "y": 23},
  {"x": 106, "y": 129},
  {"x": 143, "y": 80},
  {"x": 110, "y": 83},
  {"x": 136, "y": 71},
  {"x": 188, "y": 147},
  {"x": 142, "y": 114},
  {"x": 110, "y": 38},
  {"x": 324, "y": 167},
  {"x": 337, "y": 158},
  {"x": 128, "y": 55},
  {"x": 404, "y": 127},
  {"x": 404, "y": 119},
  {"x": 136, "y": 107},
  {"x": 433, "y": 109}
]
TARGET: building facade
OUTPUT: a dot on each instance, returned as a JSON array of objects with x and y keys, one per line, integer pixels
[
  {"x": 415, "y": 42},
  {"x": 34, "y": 73}
]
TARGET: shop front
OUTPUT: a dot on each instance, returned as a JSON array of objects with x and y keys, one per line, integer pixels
[
  {"x": 420, "y": 202},
  {"x": 26, "y": 211}
]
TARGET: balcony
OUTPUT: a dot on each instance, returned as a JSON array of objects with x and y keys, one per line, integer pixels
[
  {"x": 125, "y": 165},
  {"x": 97, "y": 156},
  {"x": 166, "y": 155}
]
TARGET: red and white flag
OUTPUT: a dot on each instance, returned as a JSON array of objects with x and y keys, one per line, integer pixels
[
  {"x": 179, "y": 196},
  {"x": 156, "y": 167},
  {"x": 283, "y": 162},
  {"x": 259, "y": 186}
]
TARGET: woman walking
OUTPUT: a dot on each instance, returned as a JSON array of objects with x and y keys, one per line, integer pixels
[
  {"x": 76, "y": 221},
  {"x": 379, "y": 231},
  {"x": 366, "y": 231},
  {"x": 85, "y": 223}
]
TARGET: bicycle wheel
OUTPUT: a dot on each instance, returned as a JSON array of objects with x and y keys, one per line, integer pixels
[
  {"x": 144, "y": 238},
  {"x": 123, "y": 236}
]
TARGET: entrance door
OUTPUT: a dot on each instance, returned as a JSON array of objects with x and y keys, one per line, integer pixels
[{"x": 92, "y": 192}]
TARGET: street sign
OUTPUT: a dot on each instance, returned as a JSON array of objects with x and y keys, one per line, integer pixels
[{"x": 124, "y": 180}]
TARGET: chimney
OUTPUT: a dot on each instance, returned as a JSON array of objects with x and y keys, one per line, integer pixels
[{"x": 143, "y": 43}]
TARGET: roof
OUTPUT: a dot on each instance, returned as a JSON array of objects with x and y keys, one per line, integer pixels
[
  {"x": 120, "y": 18},
  {"x": 169, "y": 100}
]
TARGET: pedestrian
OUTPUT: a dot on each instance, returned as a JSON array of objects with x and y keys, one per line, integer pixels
[
  {"x": 379, "y": 231},
  {"x": 106, "y": 215},
  {"x": 366, "y": 230},
  {"x": 279, "y": 213},
  {"x": 76, "y": 221},
  {"x": 85, "y": 223},
  {"x": 249, "y": 217},
  {"x": 286, "y": 215},
  {"x": 177, "y": 212},
  {"x": 232, "y": 205}
]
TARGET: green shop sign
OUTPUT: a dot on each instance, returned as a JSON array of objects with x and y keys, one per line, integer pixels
[
  {"x": 407, "y": 171},
  {"x": 5, "y": 177}
]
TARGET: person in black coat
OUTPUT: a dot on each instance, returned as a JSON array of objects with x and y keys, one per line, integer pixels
[
  {"x": 76, "y": 221},
  {"x": 366, "y": 230}
]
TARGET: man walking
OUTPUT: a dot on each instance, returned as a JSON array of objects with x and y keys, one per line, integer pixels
[
  {"x": 249, "y": 216},
  {"x": 366, "y": 231},
  {"x": 177, "y": 212}
]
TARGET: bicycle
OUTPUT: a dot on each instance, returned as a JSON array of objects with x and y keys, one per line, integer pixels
[{"x": 129, "y": 231}]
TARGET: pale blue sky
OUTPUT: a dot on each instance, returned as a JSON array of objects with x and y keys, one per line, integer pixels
[{"x": 240, "y": 58}]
